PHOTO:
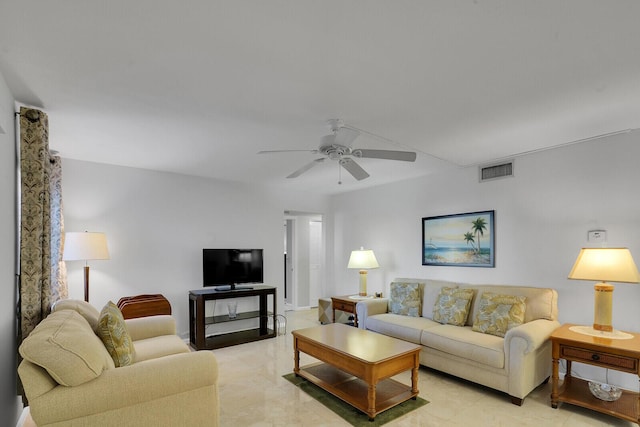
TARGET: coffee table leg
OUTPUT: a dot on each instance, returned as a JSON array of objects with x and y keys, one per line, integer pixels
[
  {"x": 371, "y": 400},
  {"x": 414, "y": 382},
  {"x": 296, "y": 357}
]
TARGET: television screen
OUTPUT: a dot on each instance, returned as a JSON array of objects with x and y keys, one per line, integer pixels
[{"x": 227, "y": 267}]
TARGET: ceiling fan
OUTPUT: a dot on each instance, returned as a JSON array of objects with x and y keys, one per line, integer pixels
[{"x": 337, "y": 146}]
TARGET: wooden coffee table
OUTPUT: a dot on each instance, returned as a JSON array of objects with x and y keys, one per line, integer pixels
[{"x": 358, "y": 365}]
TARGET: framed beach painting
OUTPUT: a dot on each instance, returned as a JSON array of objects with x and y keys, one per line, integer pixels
[{"x": 463, "y": 240}]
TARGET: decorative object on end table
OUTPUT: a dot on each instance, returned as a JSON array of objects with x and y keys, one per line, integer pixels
[
  {"x": 85, "y": 246},
  {"x": 463, "y": 240},
  {"x": 605, "y": 392},
  {"x": 363, "y": 260},
  {"x": 605, "y": 265}
]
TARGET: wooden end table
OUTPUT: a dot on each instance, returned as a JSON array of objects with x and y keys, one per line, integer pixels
[
  {"x": 346, "y": 304},
  {"x": 619, "y": 354}
]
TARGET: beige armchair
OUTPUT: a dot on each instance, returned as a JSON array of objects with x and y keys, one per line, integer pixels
[{"x": 70, "y": 378}]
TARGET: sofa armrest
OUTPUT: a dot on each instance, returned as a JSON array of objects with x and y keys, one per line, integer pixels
[
  {"x": 152, "y": 326},
  {"x": 369, "y": 307},
  {"x": 534, "y": 333},
  {"x": 528, "y": 356},
  {"x": 129, "y": 385}
]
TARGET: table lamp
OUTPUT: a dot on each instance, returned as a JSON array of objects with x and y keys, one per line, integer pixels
[
  {"x": 604, "y": 265},
  {"x": 85, "y": 246},
  {"x": 363, "y": 259}
]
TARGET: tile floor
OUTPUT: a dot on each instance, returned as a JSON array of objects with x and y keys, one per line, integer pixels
[{"x": 253, "y": 393}]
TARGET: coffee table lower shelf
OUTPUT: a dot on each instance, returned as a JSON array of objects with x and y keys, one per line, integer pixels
[{"x": 353, "y": 390}]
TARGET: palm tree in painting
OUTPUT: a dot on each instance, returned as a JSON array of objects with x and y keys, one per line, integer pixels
[
  {"x": 468, "y": 237},
  {"x": 478, "y": 227}
]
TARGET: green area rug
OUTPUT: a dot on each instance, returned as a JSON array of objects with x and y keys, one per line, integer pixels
[{"x": 348, "y": 412}]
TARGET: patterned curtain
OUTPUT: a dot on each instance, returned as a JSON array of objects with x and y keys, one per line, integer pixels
[
  {"x": 35, "y": 221},
  {"x": 59, "y": 289}
]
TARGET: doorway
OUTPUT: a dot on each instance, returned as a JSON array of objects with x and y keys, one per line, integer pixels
[{"x": 303, "y": 259}]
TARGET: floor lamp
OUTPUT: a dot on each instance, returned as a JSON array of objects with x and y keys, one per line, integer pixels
[
  {"x": 363, "y": 259},
  {"x": 85, "y": 246}
]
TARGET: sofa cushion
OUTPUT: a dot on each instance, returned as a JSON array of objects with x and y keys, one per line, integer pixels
[
  {"x": 113, "y": 333},
  {"x": 461, "y": 341},
  {"x": 65, "y": 345},
  {"x": 542, "y": 303},
  {"x": 405, "y": 299},
  {"x": 429, "y": 289},
  {"x": 89, "y": 312},
  {"x": 452, "y": 306},
  {"x": 498, "y": 313},
  {"x": 399, "y": 326},
  {"x": 160, "y": 346},
  {"x": 431, "y": 293}
]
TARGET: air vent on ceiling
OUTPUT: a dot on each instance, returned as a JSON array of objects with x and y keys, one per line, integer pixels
[{"x": 491, "y": 172}]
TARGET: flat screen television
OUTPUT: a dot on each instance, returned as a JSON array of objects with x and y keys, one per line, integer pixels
[{"x": 226, "y": 268}]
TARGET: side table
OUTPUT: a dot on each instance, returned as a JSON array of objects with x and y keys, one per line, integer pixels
[
  {"x": 619, "y": 354},
  {"x": 347, "y": 304}
]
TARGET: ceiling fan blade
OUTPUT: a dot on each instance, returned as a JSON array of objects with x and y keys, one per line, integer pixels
[
  {"x": 354, "y": 169},
  {"x": 405, "y": 156},
  {"x": 306, "y": 168},
  {"x": 346, "y": 136}
]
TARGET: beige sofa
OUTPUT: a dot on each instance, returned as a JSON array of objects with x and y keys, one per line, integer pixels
[
  {"x": 70, "y": 378},
  {"x": 515, "y": 364}
]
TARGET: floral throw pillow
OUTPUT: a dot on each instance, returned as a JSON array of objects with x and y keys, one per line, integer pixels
[
  {"x": 452, "y": 306},
  {"x": 114, "y": 335},
  {"x": 499, "y": 313},
  {"x": 405, "y": 299}
]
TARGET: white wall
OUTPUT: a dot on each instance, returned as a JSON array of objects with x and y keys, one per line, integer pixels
[
  {"x": 542, "y": 218},
  {"x": 9, "y": 403},
  {"x": 158, "y": 223}
]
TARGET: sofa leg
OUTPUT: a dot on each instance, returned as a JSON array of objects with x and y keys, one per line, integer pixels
[
  {"x": 516, "y": 400},
  {"x": 546, "y": 380}
]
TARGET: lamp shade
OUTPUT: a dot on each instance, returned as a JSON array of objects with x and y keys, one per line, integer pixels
[
  {"x": 606, "y": 265},
  {"x": 363, "y": 259},
  {"x": 85, "y": 246}
]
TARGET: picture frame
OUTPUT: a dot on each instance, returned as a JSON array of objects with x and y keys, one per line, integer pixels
[{"x": 461, "y": 240}]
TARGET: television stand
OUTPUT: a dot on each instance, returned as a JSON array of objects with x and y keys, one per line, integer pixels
[
  {"x": 231, "y": 287},
  {"x": 198, "y": 321},
  {"x": 242, "y": 288}
]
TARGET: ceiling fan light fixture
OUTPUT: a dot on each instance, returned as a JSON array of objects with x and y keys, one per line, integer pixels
[{"x": 328, "y": 140}]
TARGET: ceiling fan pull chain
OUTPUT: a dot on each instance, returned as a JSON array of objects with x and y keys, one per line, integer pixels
[{"x": 339, "y": 174}]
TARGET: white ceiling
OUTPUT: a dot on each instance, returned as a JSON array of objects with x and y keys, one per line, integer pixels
[{"x": 200, "y": 86}]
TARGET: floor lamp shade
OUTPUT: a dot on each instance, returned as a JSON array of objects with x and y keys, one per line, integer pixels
[
  {"x": 85, "y": 246},
  {"x": 604, "y": 265},
  {"x": 363, "y": 260}
]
